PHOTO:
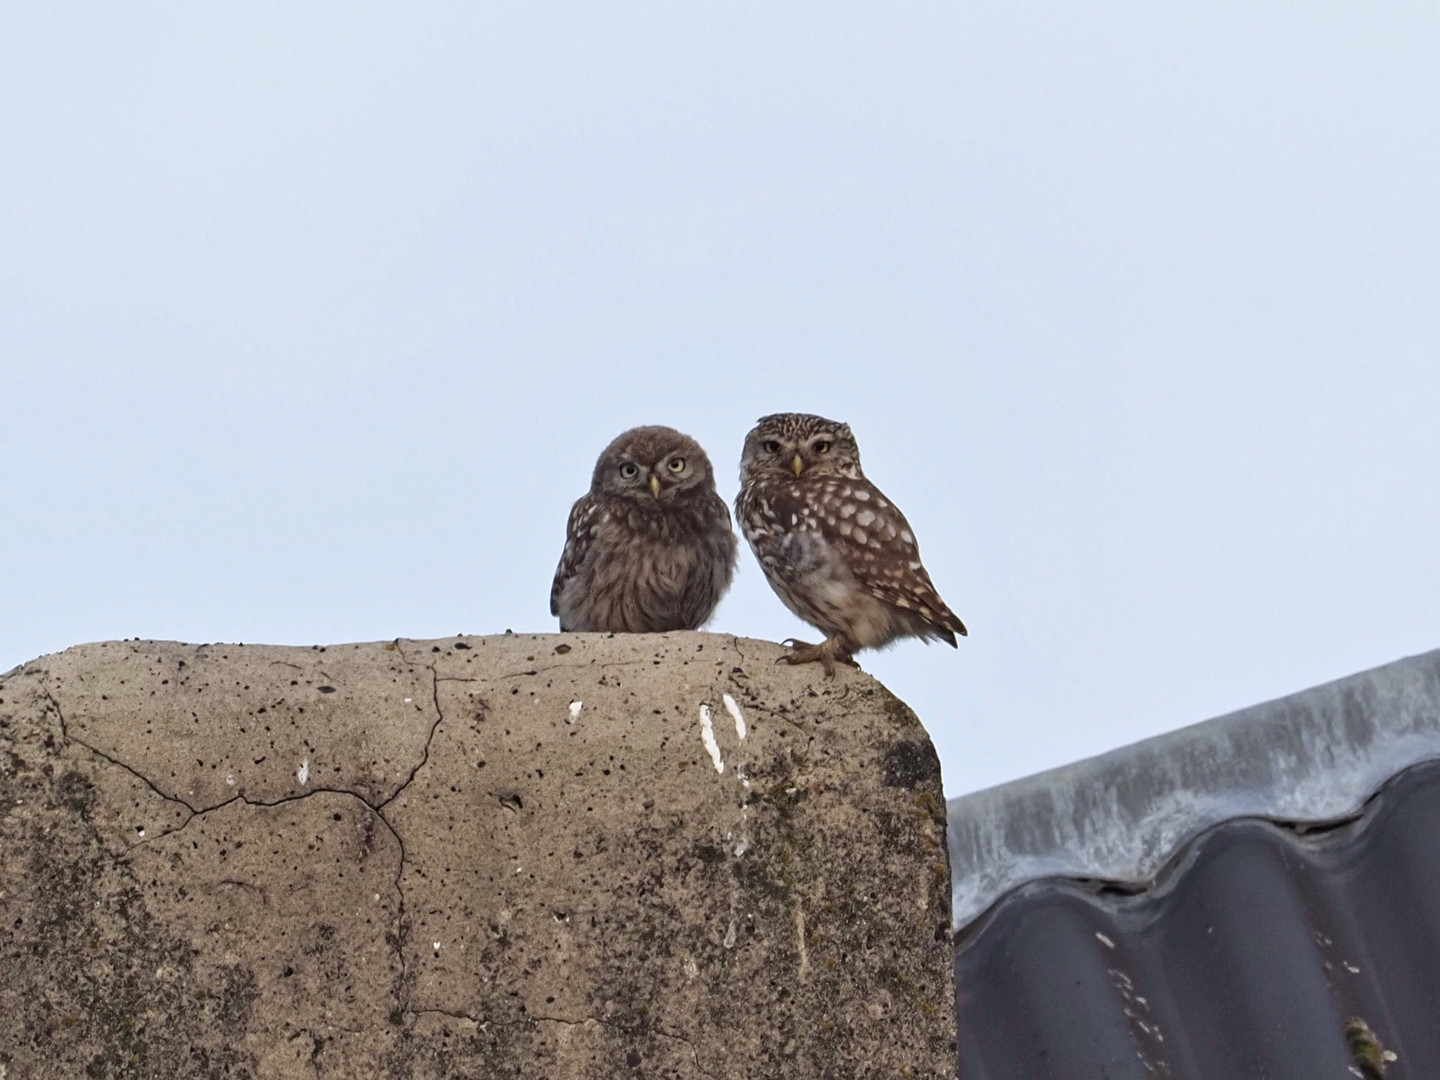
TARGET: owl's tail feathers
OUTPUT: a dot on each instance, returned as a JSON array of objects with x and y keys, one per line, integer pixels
[
  {"x": 929, "y": 627},
  {"x": 944, "y": 625}
]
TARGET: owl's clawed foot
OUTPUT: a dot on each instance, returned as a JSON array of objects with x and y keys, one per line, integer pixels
[{"x": 829, "y": 652}]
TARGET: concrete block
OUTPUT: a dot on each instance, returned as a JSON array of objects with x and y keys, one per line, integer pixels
[{"x": 547, "y": 855}]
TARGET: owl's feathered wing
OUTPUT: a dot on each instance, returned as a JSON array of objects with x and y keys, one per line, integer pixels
[
  {"x": 579, "y": 536},
  {"x": 885, "y": 557},
  {"x": 874, "y": 541},
  {"x": 703, "y": 590}
]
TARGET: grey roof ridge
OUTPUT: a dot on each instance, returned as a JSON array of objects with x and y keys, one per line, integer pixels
[{"x": 1314, "y": 756}]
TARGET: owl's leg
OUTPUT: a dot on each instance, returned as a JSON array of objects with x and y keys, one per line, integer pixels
[{"x": 829, "y": 652}]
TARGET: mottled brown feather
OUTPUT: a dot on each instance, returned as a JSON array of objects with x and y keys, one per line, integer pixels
[
  {"x": 638, "y": 560},
  {"x": 835, "y": 550}
]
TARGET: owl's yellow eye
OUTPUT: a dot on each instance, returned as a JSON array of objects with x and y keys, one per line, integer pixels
[
  {"x": 771, "y": 446},
  {"x": 821, "y": 447},
  {"x": 629, "y": 470},
  {"x": 677, "y": 464}
]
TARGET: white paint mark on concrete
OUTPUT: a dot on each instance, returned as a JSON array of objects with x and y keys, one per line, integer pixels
[
  {"x": 304, "y": 774},
  {"x": 408, "y": 700},
  {"x": 804, "y": 971},
  {"x": 707, "y": 737},
  {"x": 575, "y": 707},
  {"x": 734, "y": 711}
]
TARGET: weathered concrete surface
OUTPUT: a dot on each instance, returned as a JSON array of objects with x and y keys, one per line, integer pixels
[{"x": 420, "y": 859}]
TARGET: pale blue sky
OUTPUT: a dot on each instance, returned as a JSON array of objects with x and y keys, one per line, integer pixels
[{"x": 314, "y": 317}]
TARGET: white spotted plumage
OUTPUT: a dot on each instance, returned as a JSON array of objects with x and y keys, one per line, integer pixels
[{"x": 836, "y": 551}]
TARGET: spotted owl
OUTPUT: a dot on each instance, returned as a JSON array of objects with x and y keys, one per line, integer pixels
[
  {"x": 837, "y": 552},
  {"x": 649, "y": 547}
]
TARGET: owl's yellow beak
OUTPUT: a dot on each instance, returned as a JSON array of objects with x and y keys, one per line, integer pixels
[
  {"x": 797, "y": 465},
  {"x": 655, "y": 486}
]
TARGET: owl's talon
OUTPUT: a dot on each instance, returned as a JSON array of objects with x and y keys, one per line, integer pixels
[{"x": 828, "y": 653}]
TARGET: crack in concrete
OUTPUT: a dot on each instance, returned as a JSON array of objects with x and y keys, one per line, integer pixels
[
  {"x": 402, "y": 928},
  {"x": 401, "y": 988},
  {"x": 481, "y": 1024},
  {"x": 759, "y": 708},
  {"x": 735, "y": 644},
  {"x": 69, "y": 738},
  {"x": 694, "y": 1054},
  {"x": 429, "y": 738}
]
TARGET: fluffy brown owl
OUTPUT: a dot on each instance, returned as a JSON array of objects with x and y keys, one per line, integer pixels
[
  {"x": 649, "y": 547},
  {"x": 836, "y": 551}
]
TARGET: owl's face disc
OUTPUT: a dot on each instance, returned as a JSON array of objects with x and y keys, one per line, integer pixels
[
  {"x": 652, "y": 466},
  {"x": 789, "y": 446}
]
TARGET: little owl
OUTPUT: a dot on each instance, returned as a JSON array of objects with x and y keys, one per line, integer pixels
[
  {"x": 649, "y": 547},
  {"x": 836, "y": 551}
]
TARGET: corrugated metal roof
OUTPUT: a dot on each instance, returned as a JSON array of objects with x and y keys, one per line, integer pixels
[
  {"x": 1142, "y": 918},
  {"x": 1313, "y": 756},
  {"x": 1247, "y": 959}
]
